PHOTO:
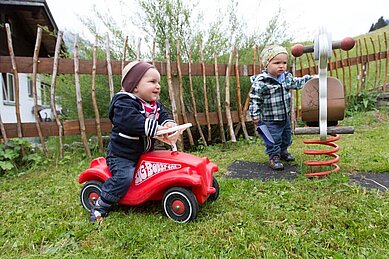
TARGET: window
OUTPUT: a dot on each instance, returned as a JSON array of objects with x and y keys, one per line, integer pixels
[
  {"x": 45, "y": 94},
  {"x": 8, "y": 87},
  {"x": 29, "y": 87}
]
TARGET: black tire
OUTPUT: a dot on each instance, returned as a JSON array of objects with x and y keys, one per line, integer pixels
[
  {"x": 180, "y": 204},
  {"x": 89, "y": 194},
  {"x": 215, "y": 184}
]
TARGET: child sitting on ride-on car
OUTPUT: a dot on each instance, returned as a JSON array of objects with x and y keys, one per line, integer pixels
[{"x": 136, "y": 116}]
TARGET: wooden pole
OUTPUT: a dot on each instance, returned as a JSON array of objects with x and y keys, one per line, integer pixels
[
  {"x": 330, "y": 65},
  {"x": 171, "y": 91},
  {"x": 109, "y": 66},
  {"x": 124, "y": 52},
  {"x": 367, "y": 63},
  {"x": 363, "y": 66},
  {"x": 52, "y": 93},
  {"x": 308, "y": 61},
  {"x": 205, "y": 93},
  {"x": 227, "y": 101},
  {"x": 358, "y": 61},
  {"x": 240, "y": 112},
  {"x": 194, "y": 99},
  {"x": 181, "y": 89},
  {"x": 379, "y": 60},
  {"x": 314, "y": 66},
  {"x": 34, "y": 89},
  {"x": 298, "y": 115},
  {"x": 386, "y": 63},
  {"x": 16, "y": 76},
  {"x": 95, "y": 107},
  {"x": 343, "y": 73},
  {"x": 375, "y": 61},
  {"x": 247, "y": 101},
  {"x": 349, "y": 72},
  {"x": 218, "y": 100},
  {"x": 3, "y": 132},
  {"x": 336, "y": 63},
  {"x": 292, "y": 102},
  {"x": 153, "y": 53},
  {"x": 79, "y": 99},
  {"x": 138, "y": 49}
]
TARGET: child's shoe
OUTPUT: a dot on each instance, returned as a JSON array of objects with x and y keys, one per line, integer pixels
[
  {"x": 286, "y": 156},
  {"x": 99, "y": 210},
  {"x": 275, "y": 163}
]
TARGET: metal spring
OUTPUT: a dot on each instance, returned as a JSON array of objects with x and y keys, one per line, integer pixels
[{"x": 329, "y": 152}]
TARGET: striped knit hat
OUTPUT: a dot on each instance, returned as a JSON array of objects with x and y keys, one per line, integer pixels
[{"x": 270, "y": 52}]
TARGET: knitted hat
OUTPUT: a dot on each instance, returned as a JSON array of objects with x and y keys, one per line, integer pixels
[
  {"x": 270, "y": 52},
  {"x": 132, "y": 74}
]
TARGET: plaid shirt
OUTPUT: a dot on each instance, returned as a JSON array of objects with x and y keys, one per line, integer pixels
[{"x": 270, "y": 98}]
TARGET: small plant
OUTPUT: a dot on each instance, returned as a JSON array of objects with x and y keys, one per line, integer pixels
[
  {"x": 361, "y": 102},
  {"x": 12, "y": 157}
]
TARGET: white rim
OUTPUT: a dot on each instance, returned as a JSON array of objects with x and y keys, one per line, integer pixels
[
  {"x": 186, "y": 198},
  {"x": 83, "y": 192}
]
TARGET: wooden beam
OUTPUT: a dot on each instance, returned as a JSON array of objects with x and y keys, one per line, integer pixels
[
  {"x": 66, "y": 66},
  {"x": 72, "y": 127},
  {"x": 330, "y": 130}
]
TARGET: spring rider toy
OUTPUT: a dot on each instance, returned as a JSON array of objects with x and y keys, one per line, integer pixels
[{"x": 322, "y": 102}]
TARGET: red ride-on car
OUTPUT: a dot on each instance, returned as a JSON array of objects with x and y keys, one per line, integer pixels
[{"x": 182, "y": 181}]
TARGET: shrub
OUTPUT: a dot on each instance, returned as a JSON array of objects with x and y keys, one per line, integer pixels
[
  {"x": 361, "y": 102},
  {"x": 12, "y": 159}
]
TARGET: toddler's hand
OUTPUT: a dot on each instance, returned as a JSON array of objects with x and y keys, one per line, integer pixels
[
  {"x": 170, "y": 124},
  {"x": 161, "y": 128},
  {"x": 163, "y": 137}
]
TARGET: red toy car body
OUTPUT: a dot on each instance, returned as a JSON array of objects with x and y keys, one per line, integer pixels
[{"x": 182, "y": 181}]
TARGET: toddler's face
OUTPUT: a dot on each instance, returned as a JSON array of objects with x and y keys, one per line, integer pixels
[
  {"x": 277, "y": 65},
  {"x": 149, "y": 88}
]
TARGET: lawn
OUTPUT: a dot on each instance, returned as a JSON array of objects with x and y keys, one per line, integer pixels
[{"x": 41, "y": 215}]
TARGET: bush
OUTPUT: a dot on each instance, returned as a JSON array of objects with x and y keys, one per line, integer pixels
[
  {"x": 361, "y": 102},
  {"x": 12, "y": 159}
]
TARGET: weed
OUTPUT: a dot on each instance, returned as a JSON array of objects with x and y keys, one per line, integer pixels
[
  {"x": 361, "y": 102},
  {"x": 17, "y": 154}
]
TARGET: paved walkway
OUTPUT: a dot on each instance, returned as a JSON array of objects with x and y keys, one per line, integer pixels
[{"x": 262, "y": 172}]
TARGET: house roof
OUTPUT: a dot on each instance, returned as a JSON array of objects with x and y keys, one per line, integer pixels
[{"x": 24, "y": 17}]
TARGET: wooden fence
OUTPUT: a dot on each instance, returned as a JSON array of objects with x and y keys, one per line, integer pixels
[{"x": 363, "y": 68}]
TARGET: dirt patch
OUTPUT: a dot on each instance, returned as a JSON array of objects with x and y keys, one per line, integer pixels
[
  {"x": 262, "y": 172},
  {"x": 378, "y": 181}
]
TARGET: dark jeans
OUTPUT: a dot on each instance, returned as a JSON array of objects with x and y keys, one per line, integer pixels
[
  {"x": 281, "y": 132},
  {"x": 122, "y": 171}
]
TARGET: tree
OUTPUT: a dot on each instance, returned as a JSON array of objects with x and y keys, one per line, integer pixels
[
  {"x": 380, "y": 24},
  {"x": 166, "y": 20},
  {"x": 161, "y": 21}
]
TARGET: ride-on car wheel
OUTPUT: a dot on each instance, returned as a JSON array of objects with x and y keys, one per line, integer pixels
[
  {"x": 215, "y": 184},
  {"x": 180, "y": 204},
  {"x": 90, "y": 193}
]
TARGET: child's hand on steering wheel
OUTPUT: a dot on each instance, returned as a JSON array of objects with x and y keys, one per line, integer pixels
[{"x": 170, "y": 124}]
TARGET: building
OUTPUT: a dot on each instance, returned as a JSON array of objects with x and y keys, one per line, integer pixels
[{"x": 24, "y": 17}]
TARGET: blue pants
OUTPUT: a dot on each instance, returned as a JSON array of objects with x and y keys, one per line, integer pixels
[
  {"x": 122, "y": 171},
  {"x": 281, "y": 132}
]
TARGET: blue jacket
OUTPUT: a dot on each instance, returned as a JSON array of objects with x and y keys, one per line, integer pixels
[{"x": 132, "y": 133}]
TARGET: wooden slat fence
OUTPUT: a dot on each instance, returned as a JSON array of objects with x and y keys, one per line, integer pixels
[{"x": 363, "y": 68}]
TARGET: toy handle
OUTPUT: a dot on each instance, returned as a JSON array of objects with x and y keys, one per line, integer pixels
[
  {"x": 346, "y": 44},
  {"x": 173, "y": 134}
]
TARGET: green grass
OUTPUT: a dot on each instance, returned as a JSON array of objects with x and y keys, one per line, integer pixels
[{"x": 41, "y": 215}]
